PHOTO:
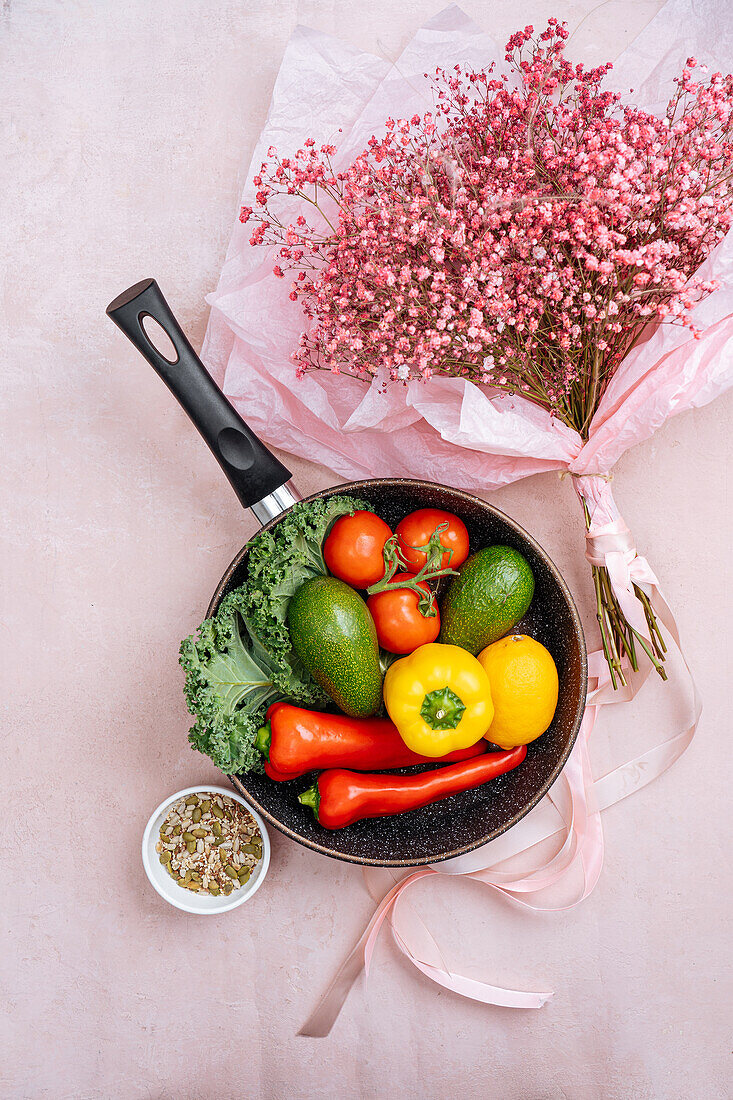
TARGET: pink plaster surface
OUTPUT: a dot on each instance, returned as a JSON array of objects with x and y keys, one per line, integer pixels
[{"x": 127, "y": 128}]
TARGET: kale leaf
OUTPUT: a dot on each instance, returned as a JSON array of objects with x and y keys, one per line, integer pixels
[
  {"x": 231, "y": 679},
  {"x": 241, "y": 660},
  {"x": 280, "y": 560}
]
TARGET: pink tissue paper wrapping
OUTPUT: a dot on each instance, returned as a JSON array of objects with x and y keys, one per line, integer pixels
[{"x": 325, "y": 85}]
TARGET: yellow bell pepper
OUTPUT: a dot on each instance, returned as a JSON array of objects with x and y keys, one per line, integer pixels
[{"x": 439, "y": 698}]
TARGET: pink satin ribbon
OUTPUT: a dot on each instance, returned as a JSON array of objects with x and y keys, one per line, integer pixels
[{"x": 576, "y": 797}]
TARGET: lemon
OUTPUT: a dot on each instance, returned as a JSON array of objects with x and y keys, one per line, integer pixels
[{"x": 524, "y": 688}]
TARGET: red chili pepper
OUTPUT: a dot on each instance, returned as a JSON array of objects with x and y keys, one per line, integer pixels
[
  {"x": 296, "y": 741},
  {"x": 340, "y": 798}
]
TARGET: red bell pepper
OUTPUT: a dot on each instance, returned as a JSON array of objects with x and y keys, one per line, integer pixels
[
  {"x": 295, "y": 741},
  {"x": 340, "y": 797}
]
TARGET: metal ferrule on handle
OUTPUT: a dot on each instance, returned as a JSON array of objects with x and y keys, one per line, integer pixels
[
  {"x": 258, "y": 478},
  {"x": 276, "y": 503}
]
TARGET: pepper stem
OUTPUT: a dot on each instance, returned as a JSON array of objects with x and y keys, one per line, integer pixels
[
  {"x": 311, "y": 797},
  {"x": 263, "y": 739},
  {"x": 442, "y": 709}
]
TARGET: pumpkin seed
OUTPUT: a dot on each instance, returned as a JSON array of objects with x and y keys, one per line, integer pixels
[{"x": 214, "y": 839}]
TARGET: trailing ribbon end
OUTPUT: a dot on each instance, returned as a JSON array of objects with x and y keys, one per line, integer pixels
[{"x": 322, "y": 1019}]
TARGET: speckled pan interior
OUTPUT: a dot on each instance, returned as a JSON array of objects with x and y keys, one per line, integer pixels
[{"x": 467, "y": 820}]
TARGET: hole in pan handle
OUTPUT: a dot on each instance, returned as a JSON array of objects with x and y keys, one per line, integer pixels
[{"x": 257, "y": 477}]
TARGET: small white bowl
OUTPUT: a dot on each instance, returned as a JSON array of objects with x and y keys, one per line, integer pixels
[{"x": 185, "y": 899}]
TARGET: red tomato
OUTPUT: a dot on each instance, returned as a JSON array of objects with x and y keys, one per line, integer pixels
[
  {"x": 416, "y": 529},
  {"x": 401, "y": 627},
  {"x": 354, "y": 548}
]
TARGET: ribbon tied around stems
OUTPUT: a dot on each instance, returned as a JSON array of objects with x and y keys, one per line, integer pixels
[
  {"x": 611, "y": 539},
  {"x": 569, "y": 813}
]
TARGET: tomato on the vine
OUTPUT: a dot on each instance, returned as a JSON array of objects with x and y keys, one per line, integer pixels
[
  {"x": 401, "y": 626},
  {"x": 354, "y": 549},
  {"x": 415, "y": 530}
]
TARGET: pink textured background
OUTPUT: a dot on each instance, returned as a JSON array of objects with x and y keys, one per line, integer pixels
[{"x": 126, "y": 128}]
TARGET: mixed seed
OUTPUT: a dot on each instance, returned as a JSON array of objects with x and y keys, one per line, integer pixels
[{"x": 209, "y": 843}]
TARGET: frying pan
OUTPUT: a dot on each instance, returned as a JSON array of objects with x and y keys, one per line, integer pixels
[{"x": 262, "y": 483}]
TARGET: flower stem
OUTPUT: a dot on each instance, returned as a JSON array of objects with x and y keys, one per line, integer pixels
[
  {"x": 618, "y": 637},
  {"x": 609, "y": 649}
]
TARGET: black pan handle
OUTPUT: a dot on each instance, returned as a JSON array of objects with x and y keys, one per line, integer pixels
[{"x": 253, "y": 471}]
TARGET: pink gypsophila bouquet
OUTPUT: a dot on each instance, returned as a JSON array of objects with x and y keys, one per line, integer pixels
[{"x": 524, "y": 235}]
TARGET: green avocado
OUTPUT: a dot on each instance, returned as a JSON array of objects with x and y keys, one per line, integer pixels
[
  {"x": 490, "y": 594},
  {"x": 333, "y": 633}
]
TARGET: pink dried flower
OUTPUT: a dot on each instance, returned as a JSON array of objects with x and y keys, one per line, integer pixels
[{"x": 521, "y": 234}]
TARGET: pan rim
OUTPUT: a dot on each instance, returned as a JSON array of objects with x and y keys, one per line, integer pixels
[{"x": 353, "y": 488}]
